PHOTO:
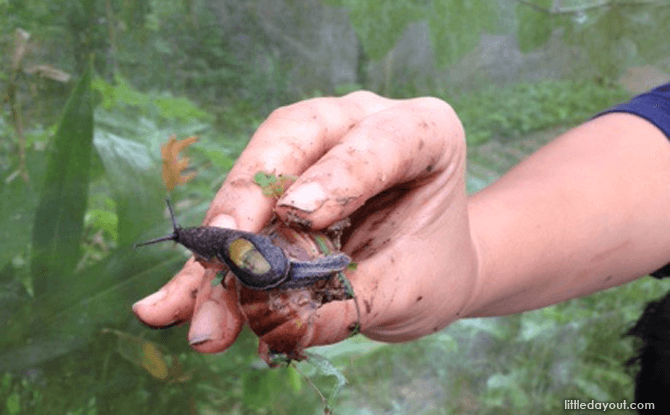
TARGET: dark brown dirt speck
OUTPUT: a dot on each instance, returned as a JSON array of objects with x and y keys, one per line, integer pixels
[{"x": 368, "y": 306}]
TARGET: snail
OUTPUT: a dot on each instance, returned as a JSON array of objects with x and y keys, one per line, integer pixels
[
  {"x": 285, "y": 275},
  {"x": 263, "y": 261}
]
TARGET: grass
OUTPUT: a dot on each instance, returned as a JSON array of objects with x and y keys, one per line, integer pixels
[{"x": 511, "y": 111}]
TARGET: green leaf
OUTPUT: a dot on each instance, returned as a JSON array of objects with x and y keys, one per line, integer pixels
[
  {"x": 324, "y": 367},
  {"x": 103, "y": 219},
  {"x": 180, "y": 108},
  {"x": 274, "y": 186},
  {"x": 535, "y": 24},
  {"x": 379, "y": 24},
  {"x": 100, "y": 296},
  {"x": 294, "y": 379},
  {"x": 13, "y": 293},
  {"x": 258, "y": 388},
  {"x": 135, "y": 180},
  {"x": 264, "y": 179},
  {"x": 18, "y": 200},
  {"x": 13, "y": 404},
  {"x": 353, "y": 347},
  {"x": 124, "y": 93},
  {"x": 456, "y": 27},
  {"x": 58, "y": 224},
  {"x": 218, "y": 279}
]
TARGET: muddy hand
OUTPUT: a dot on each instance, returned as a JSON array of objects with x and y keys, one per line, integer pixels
[{"x": 396, "y": 168}]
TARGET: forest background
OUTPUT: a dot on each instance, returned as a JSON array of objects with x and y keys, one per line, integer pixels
[{"x": 93, "y": 88}]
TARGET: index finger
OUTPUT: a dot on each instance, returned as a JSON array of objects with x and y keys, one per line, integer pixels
[
  {"x": 405, "y": 144},
  {"x": 288, "y": 142}
]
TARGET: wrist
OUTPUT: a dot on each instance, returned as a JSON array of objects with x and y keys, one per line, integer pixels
[{"x": 585, "y": 213}]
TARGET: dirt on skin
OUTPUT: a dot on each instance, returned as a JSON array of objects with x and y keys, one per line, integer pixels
[
  {"x": 486, "y": 163},
  {"x": 283, "y": 319}
]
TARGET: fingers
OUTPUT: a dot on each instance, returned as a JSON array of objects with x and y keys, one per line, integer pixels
[
  {"x": 345, "y": 150},
  {"x": 217, "y": 320},
  {"x": 172, "y": 304},
  {"x": 288, "y": 142},
  {"x": 402, "y": 143},
  {"x": 376, "y": 294},
  {"x": 398, "y": 300},
  {"x": 376, "y": 301}
]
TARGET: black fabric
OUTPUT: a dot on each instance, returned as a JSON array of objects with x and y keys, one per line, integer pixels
[
  {"x": 662, "y": 273},
  {"x": 652, "y": 383}
]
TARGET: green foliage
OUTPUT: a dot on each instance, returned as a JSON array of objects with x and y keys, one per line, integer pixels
[
  {"x": 51, "y": 329},
  {"x": 456, "y": 26},
  {"x": 18, "y": 202},
  {"x": 325, "y": 368},
  {"x": 533, "y": 28},
  {"x": 64, "y": 193},
  {"x": 526, "y": 363},
  {"x": 123, "y": 96},
  {"x": 506, "y": 112},
  {"x": 50, "y": 320},
  {"x": 379, "y": 23},
  {"x": 613, "y": 35},
  {"x": 136, "y": 194},
  {"x": 32, "y": 15}
]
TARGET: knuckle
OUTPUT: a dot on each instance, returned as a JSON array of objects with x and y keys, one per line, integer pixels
[
  {"x": 361, "y": 95},
  {"x": 443, "y": 115},
  {"x": 281, "y": 113},
  {"x": 298, "y": 110},
  {"x": 432, "y": 103}
]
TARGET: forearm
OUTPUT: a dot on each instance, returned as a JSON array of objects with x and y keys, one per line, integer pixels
[{"x": 589, "y": 211}]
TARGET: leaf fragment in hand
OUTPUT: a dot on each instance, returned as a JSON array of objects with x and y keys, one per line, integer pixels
[
  {"x": 174, "y": 164},
  {"x": 274, "y": 186}
]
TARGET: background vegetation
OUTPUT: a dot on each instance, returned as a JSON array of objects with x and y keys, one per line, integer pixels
[{"x": 94, "y": 87}]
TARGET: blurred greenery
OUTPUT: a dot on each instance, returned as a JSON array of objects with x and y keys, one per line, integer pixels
[
  {"x": 509, "y": 112},
  {"x": 80, "y": 169}
]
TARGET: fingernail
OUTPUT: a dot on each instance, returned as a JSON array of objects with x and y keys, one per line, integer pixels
[
  {"x": 223, "y": 221},
  {"x": 199, "y": 340},
  {"x": 150, "y": 299},
  {"x": 206, "y": 320},
  {"x": 307, "y": 198}
]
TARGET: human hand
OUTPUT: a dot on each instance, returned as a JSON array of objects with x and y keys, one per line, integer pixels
[{"x": 396, "y": 168}]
